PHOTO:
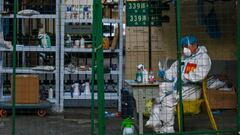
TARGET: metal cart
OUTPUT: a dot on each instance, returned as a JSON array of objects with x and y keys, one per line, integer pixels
[{"x": 41, "y": 108}]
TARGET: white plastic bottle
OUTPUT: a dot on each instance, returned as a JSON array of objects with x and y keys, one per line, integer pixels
[
  {"x": 87, "y": 88},
  {"x": 128, "y": 131},
  {"x": 75, "y": 87},
  {"x": 127, "y": 125},
  {"x": 145, "y": 75},
  {"x": 82, "y": 43},
  {"x": 50, "y": 93}
]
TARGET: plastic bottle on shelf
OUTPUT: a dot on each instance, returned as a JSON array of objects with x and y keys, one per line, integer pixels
[
  {"x": 50, "y": 93},
  {"x": 81, "y": 11},
  {"x": 82, "y": 42},
  {"x": 75, "y": 87},
  {"x": 68, "y": 43},
  {"x": 69, "y": 12},
  {"x": 87, "y": 88}
]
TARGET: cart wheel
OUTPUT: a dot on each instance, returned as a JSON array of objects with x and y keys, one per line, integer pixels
[
  {"x": 3, "y": 113},
  {"x": 41, "y": 112}
]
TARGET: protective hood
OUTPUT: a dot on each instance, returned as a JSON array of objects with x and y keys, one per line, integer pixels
[
  {"x": 40, "y": 36},
  {"x": 201, "y": 49}
]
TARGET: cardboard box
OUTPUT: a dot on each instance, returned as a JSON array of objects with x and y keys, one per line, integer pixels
[
  {"x": 222, "y": 99},
  {"x": 107, "y": 12},
  {"x": 137, "y": 38},
  {"x": 115, "y": 39},
  {"x": 27, "y": 89}
]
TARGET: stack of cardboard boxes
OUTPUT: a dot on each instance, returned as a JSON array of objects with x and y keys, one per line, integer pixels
[
  {"x": 163, "y": 44},
  {"x": 137, "y": 49}
]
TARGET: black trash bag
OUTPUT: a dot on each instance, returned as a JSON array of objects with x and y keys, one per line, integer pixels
[{"x": 127, "y": 104}]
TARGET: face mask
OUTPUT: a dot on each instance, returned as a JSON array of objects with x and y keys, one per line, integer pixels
[{"x": 187, "y": 52}]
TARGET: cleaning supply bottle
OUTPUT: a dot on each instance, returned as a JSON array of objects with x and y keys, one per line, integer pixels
[
  {"x": 151, "y": 77},
  {"x": 82, "y": 42},
  {"x": 68, "y": 42},
  {"x": 139, "y": 76},
  {"x": 48, "y": 40},
  {"x": 127, "y": 126},
  {"x": 45, "y": 41},
  {"x": 50, "y": 93},
  {"x": 145, "y": 75},
  {"x": 87, "y": 88},
  {"x": 75, "y": 87}
]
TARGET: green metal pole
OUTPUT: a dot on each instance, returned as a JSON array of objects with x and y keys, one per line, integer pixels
[
  {"x": 92, "y": 93},
  {"x": 149, "y": 35},
  {"x": 238, "y": 64},
  {"x": 179, "y": 54},
  {"x": 97, "y": 28},
  {"x": 93, "y": 80},
  {"x": 14, "y": 69}
]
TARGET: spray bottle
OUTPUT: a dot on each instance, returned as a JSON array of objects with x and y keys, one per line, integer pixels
[
  {"x": 151, "y": 78},
  {"x": 139, "y": 73},
  {"x": 45, "y": 39},
  {"x": 145, "y": 75},
  {"x": 127, "y": 126}
]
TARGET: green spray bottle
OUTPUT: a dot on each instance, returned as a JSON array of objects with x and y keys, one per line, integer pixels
[
  {"x": 139, "y": 73},
  {"x": 139, "y": 76},
  {"x": 127, "y": 126}
]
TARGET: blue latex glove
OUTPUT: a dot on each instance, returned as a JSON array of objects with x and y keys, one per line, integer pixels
[
  {"x": 161, "y": 73},
  {"x": 175, "y": 86}
]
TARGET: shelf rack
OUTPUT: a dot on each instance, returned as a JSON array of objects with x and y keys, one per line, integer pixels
[
  {"x": 119, "y": 51},
  {"x": 24, "y": 48}
]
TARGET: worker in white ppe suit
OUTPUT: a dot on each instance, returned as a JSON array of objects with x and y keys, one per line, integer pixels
[{"x": 194, "y": 68}]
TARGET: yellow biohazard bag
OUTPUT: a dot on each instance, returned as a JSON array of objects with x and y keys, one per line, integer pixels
[
  {"x": 148, "y": 108},
  {"x": 192, "y": 107}
]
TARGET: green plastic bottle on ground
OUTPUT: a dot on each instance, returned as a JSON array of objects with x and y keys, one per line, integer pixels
[{"x": 127, "y": 126}]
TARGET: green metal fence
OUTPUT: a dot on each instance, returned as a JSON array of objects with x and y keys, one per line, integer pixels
[
  {"x": 181, "y": 24},
  {"x": 208, "y": 21}
]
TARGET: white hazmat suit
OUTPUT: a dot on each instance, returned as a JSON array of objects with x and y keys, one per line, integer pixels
[{"x": 194, "y": 69}]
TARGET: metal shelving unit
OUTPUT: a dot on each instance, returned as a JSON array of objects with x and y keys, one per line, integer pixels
[
  {"x": 87, "y": 50},
  {"x": 45, "y": 16},
  {"x": 111, "y": 96},
  {"x": 117, "y": 74},
  {"x": 59, "y": 50},
  {"x": 25, "y": 70},
  {"x": 23, "y": 49},
  {"x": 78, "y": 72}
]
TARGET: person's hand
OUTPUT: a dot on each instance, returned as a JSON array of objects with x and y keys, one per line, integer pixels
[
  {"x": 175, "y": 86},
  {"x": 161, "y": 73}
]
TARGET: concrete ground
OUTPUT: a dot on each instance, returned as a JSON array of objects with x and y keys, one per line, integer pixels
[{"x": 77, "y": 122}]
